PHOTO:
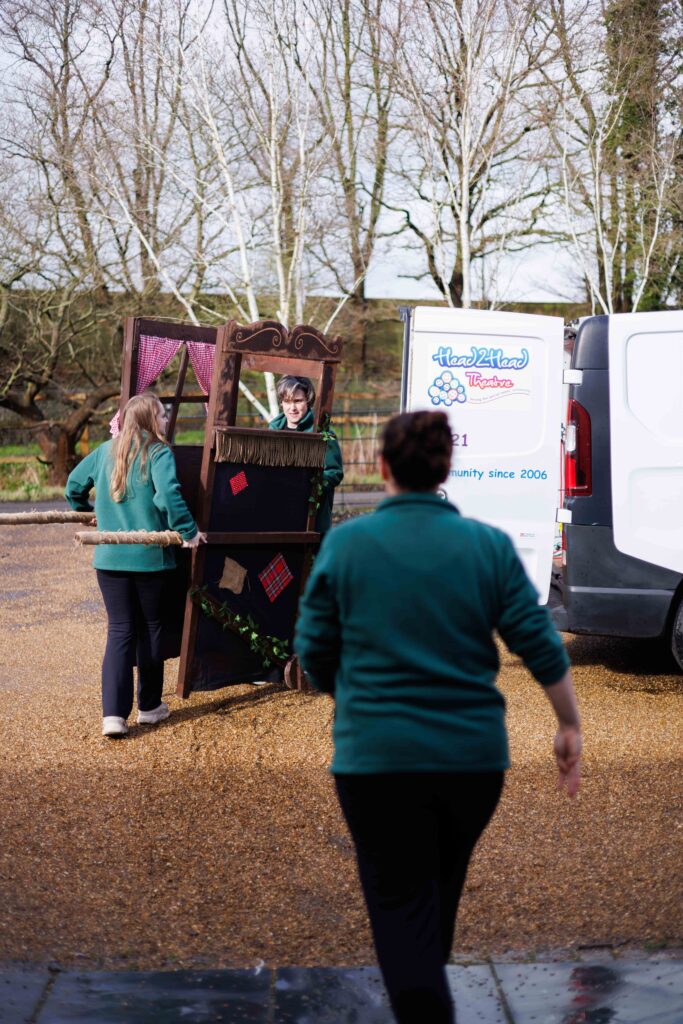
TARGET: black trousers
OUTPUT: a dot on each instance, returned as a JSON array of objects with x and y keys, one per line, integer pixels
[
  {"x": 134, "y": 634},
  {"x": 414, "y": 836}
]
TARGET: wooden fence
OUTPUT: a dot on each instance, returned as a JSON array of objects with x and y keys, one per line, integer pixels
[{"x": 356, "y": 423}]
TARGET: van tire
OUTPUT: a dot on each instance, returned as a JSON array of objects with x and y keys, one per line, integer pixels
[{"x": 677, "y": 635}]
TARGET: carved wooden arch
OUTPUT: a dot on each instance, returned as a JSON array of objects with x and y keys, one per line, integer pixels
[
  {"x": 267, "y": 345},
  {"x": 269, "y": 337}
]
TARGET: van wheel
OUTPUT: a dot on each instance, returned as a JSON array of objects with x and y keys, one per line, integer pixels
[{"x": 677, "y": 635}]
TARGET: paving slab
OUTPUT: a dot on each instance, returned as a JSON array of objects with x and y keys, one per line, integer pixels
[
  {"x": 649, "y": 992},
  {"x": 330, "y": 995},
  {"x": 335, "y": 995},
  {"x": 190, "y": 997},
  {"x": 475, "y": 995},
  {"x": 20, "y": 994}
]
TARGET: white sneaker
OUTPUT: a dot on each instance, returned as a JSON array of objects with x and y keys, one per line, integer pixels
[
  {"x": 112, "y": 725},
  {"x": 152, "y": 717},
  {"x": 260, "y": 682}
]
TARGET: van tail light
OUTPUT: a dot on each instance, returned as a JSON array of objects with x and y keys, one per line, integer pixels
[{"x": 578, "y": 477}]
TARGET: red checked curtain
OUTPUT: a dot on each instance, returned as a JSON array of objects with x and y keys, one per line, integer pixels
[{"x": 154, "y": 355}]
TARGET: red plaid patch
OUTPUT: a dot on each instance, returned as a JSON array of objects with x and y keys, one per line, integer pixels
[
  {"x": 275, "y": 577},
  {"x": 238, "y": 482}
]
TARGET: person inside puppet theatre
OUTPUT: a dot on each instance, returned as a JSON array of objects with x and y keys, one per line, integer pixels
[
  {"x": 136, "y": 488},
  {"x": 397, "y": 622},
  {"x": 296, "y": 396}
]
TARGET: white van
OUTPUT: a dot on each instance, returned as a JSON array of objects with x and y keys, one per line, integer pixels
[
  {"x": 499, "y": 376},
  {"x": 623, "y": 538}
]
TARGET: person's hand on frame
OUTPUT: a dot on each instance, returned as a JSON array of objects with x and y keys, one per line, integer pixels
[
  {"x": 199, "y": 538},
  {"x": 567, "y": 746}
]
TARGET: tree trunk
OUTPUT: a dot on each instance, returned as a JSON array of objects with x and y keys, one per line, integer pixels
[
  {"x": 359, "y": 308},
  {"x": 58, "y": 447},
  {"x": 456, "y": 284}
]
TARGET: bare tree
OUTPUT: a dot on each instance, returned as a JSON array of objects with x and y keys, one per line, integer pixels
[
  {"x": 617, "y": 139},
  {"x": 248, "y": 103},
  {"x": 354, "y": 87},
  {"x": 470, "y": 181},
  {"x": 95, "y": 113},
  {"x": 52, "y": 351}
]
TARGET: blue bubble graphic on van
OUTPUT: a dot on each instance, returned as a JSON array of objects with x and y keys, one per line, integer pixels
[{"x": 446, "y": 390}]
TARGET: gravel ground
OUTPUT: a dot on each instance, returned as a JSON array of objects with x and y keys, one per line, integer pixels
[{"x": 215, "y": 840}]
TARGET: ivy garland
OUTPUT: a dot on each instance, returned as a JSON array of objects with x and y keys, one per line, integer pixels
[
  {"x": 269, "y": 648},
  {"x": 317, "y": 491},
  {"x": 317, "y": 485}
]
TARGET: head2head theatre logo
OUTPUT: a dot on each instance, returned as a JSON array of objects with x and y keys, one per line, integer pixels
[{"x": 478, "y": 382}]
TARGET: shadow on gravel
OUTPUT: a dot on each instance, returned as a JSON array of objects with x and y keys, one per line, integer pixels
[
  {"x": 260, "y": 695},
  {"x": 634, "y": 658},
  {"x": 191, "y": 713}
]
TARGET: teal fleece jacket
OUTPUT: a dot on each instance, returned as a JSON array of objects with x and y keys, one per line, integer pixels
[
  {"x": 333, "y": 472},
  {"x": 397, "y": 621},
  {"x": 151, "y": 503}
]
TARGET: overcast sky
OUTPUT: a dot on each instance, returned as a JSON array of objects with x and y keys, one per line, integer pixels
[{"x": 542, "y": 274}]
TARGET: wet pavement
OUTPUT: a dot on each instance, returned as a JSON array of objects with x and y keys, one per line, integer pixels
[{"x": 616, "y": 992}]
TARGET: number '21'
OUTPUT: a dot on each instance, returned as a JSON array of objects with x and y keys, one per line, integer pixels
[{"x": 460, "y": 440}]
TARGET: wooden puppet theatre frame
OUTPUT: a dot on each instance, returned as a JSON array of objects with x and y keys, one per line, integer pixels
[{"x": 255, "y": 493}]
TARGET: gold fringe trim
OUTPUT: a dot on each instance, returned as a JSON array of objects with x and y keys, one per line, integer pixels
[
  {"x": 162, "y": 538},
  {"x": 36, "y": 518},
  {"x": 270, "y": 448}
]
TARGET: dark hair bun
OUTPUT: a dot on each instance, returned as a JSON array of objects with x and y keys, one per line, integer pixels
[{"x": 417, "y": 447}]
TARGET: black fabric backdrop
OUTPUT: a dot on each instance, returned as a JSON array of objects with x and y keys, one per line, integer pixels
[
  {"x": 221, "y": 656},
  {"x": 274, "y": 500}
]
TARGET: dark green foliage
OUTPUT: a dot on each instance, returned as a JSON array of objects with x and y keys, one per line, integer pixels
[{"x": 643, "y": 49}]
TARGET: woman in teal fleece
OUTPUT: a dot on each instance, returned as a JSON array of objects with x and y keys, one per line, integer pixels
[
  {"x": 397, "y": 622},
  {"x": 136, "y": 488},
  {"x": 296, "y": 396}
]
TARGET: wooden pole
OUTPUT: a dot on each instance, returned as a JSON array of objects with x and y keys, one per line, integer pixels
[
  {"x": 39, "y": 518},
  {"x": 162, "y": 538},
  {"x": 180, "y": 384}
]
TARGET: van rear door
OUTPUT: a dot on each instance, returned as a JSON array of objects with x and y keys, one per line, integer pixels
[
  {"x": 498, "y": 376},
  {"x": 646, "y": 425}
]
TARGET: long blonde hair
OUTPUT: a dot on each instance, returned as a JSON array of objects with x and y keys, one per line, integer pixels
[{"x": 139, "y": 433}]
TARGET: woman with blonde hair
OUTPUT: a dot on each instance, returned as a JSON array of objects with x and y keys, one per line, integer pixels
[{"x": 136, "y": 488}]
